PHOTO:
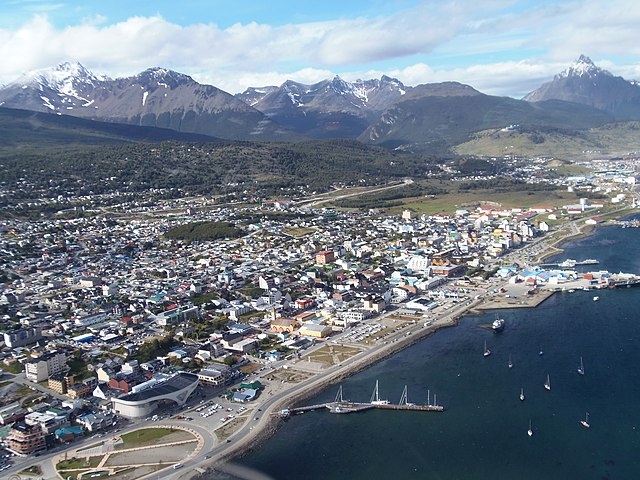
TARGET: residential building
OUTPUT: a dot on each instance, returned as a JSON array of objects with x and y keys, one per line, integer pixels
[
  {"x": 25, "y": 439},
  {"x": 60, "y": 383},
  {"x": 22, "y": 337},
  {"x": 325, "y": 256},
  {"x": 11, "y": 413},
  {"x": 45, "y": 366},
  {"x": 213, "y": 376}
]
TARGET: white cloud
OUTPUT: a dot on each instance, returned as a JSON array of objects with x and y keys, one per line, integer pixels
[{"x": 504, "y": 48}]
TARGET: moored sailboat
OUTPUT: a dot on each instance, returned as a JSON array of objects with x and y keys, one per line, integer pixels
[
  {"x": 375, "y": 398},
  {"x": 585, "y": 422},
  {"x": 581, "y": 367}
]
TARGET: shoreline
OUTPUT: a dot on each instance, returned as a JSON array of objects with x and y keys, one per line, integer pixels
[{"x": 221, "y": 463}]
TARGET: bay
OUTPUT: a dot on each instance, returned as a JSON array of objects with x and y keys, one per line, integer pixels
[{"x": 483, "y": 432}]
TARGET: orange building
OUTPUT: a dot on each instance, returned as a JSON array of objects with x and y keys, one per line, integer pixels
[
  {"x": 25, "y": 439},
  {"x": 283, "y": 324},
  {"x": 325, "y": 256}
]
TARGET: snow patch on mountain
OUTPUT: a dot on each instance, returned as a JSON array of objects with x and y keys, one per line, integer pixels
[{"x": 47, "y": 102}]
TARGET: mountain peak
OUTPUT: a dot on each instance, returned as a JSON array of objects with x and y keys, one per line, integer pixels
[
  {"x": 582, "y": 67},
  {"x": 585, "y": 83},
  {"x": 163, "y": 76},
  {"x": 67, "y": 78},
  {"x": 61, "y": 73}
]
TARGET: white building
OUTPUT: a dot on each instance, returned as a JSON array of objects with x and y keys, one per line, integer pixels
[{"x": 45, "y": 366}]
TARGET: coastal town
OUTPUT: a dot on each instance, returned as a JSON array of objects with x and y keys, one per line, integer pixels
[{"x": 111, "y": 326}]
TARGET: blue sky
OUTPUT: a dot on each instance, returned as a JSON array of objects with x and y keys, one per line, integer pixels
[{"x": 500, "y": 47}]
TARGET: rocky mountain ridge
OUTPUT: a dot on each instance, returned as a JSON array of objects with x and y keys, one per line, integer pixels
[
  {"x": 384, "y": 111},
  {"x": 156, "y": 97}
]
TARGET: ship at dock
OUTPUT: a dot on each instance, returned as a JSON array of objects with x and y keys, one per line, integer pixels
[{"x": 570, "y": 263}]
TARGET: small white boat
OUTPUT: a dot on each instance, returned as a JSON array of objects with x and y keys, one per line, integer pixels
[
  {"x": 522, "y": 394},
  {"x": 585, "y": 422},
  {"x": 596, "y": 298},
  {"x": 510, "y": 362},
  {"x": 530, "y": 431},
  {"x": 487, "y": 352},
  {"x": 581, "y": 367},
  {"x": 547, "y": 384}
]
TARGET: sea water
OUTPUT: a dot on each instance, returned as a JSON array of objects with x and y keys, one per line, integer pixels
[{"x": 482, "y": 434}]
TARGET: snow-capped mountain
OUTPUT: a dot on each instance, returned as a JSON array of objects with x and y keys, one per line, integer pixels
[
  {"x": 157, "y": 97},
  {"x": 585, "y": 83},
  {"x": 324, "y": 108},
  {"x": 383, "y": 111},
  {"x": 60, "y": 89}
]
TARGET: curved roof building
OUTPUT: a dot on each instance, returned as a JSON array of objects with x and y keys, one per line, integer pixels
[{"x": 141, "y": 403}]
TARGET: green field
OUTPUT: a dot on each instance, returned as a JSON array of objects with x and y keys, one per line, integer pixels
[{"x": 608, "y": 140}]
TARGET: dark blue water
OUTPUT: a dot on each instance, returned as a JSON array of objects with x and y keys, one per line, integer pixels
[{"x": 483, "y": 432}]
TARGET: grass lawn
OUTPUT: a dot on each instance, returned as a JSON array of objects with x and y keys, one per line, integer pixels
[
  {"x": 333, "y": 354},
  {"x": 298, "y": 232},
  {"x": 33, "y": 471},
  {"x": 143, "y": 437},
  {"x": 79, "y": 463}
]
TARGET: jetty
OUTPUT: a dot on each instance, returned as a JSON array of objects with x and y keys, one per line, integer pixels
[{"x": 339, "y": 405}]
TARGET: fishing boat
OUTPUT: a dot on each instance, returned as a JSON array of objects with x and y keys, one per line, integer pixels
[
  {"x": 510, "y": 362},
  {"x": 487, "y": 352},
  {"x": 530, "y": 431},
  {"x": 547, "y": 384},
  {"x": 522, "y": 394},
  {"x": 585, "y": 422},
  {"x": 581, "y": 367},
  {"x": 375, "y": 398}
]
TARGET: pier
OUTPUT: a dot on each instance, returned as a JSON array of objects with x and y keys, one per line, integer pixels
[
  {"x": 353, "y": 407},
  {"x": 339, "y": 405}
]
